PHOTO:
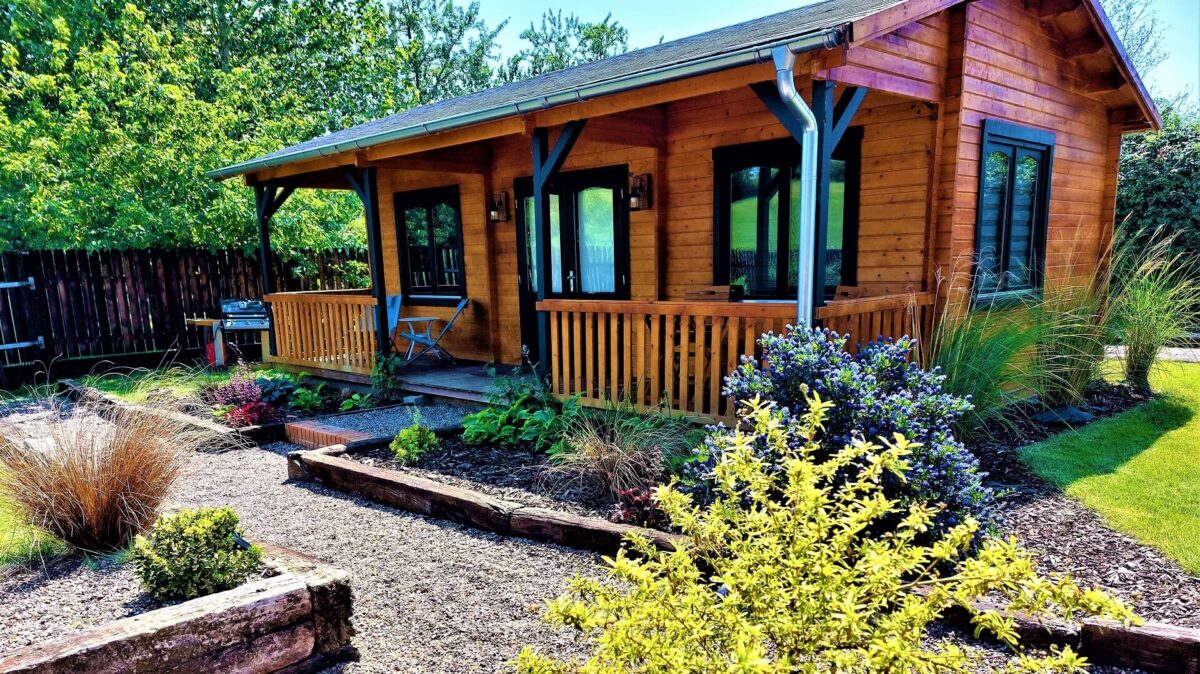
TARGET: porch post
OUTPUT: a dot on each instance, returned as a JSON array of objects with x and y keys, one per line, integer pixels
[
  {"x": 267, "y": 200},
  {"x": 365, "y": 183},
  {"x": 546, "y": 163},
  {"x": 832, "y": 122}
]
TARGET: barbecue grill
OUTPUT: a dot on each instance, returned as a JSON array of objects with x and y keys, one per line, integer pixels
[
  {"x": 244, "y": 314},
  {"x": 236, "y": 315}
]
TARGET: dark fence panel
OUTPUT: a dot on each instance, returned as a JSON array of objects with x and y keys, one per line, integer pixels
[{"x": 100, "y": 304}]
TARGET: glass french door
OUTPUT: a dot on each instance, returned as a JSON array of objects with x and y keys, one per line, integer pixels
[{"x": 588, "y": 239}]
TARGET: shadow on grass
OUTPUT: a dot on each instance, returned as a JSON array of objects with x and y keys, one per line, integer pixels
[{"x": 1103, "y": 447}]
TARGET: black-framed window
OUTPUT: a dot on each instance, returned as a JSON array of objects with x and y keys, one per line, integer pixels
[
  {"x": 756, "y": 189},
  {"x": 589, "y": 233},
  {"x": 1013, "y": 209},
  {"x": 429, "y": 235}
]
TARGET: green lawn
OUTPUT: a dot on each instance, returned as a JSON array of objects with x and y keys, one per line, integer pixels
[
  {"x": 1139, "y": 470},
  {"x": 746, "y": 211},
  {"x": 135, "y": 386},
  {"x": 21, "y": 544}
]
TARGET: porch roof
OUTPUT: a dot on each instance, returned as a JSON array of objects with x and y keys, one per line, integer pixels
[
  {"x": 583, "y": 81},
  {"x": 823, "y": 24}
]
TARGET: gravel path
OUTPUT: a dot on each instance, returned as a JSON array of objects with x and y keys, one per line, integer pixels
[
  {"x": 65, "y": 596},
  {"x": 389, "y": 420},
  {"x": 429, "y": 596}
]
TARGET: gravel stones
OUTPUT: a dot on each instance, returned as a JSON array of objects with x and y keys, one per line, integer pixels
[
  {"x": 387, "y": 421},
  {"x": 429, "y": 596}
]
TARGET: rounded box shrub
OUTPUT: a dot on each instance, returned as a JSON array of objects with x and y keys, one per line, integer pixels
[{"x": 195, "y": 553}]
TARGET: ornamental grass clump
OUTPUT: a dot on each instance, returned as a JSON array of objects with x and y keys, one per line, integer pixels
[
  {"x": 94, "y": 475},
  {"x": 785, "y": 571},
  {"x": 1155, "y": 304},
  {"x": 876, "y": 393}
]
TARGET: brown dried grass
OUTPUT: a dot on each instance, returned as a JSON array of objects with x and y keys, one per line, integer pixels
[{"x": 94, "y": 474}]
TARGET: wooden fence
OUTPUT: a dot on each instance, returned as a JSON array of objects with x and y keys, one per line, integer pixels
[
  {"x": 325, "y": 330},
  {"x": 100, "y": 304}
]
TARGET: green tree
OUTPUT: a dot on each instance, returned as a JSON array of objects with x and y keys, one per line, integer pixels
[
  {"x": 562, "y": 42},
  {"x": 1137, "y": 25},
  {"x": 1159, "y": 186},
  {"x": 448, "y": 50}
]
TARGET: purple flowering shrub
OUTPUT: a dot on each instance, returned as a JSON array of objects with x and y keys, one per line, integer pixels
[
  {"x": 876, "y": 393},
  {"x": 241, "y": 389}
]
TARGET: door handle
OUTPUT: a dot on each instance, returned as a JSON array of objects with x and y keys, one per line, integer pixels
[{"x": 571, "y": 280}]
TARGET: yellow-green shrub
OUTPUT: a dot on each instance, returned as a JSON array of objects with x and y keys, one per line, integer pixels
[
  {"x": 788, "y": 574},
  {"x": 411, "y": 443},
  {"x": 194, "y": 553}
]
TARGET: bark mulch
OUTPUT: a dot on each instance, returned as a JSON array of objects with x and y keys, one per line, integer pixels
[{"x": 1068, "y": 538}]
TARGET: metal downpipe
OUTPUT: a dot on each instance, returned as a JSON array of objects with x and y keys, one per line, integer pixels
[{"x": 785, "y": 82}]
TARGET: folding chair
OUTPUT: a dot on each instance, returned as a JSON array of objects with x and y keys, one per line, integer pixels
[{"x": 425, "y": 338}]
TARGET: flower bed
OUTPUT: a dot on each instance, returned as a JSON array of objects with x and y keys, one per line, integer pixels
[{"x": 299, "y": 613}]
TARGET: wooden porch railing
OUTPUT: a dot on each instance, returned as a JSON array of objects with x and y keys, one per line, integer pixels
[
  {"x": 650, "y": 353},
  {"x": 328, "y": 330},
  {"x": 868, "y": 318},
  {"x": 679, "y": 353}
]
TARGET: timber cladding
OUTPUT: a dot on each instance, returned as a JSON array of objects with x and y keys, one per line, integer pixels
[
  {"x": 1007, "y": 65},
  {"x": 932, "y": 84}
]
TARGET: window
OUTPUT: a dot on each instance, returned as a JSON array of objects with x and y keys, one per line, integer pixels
[
  {"x": 757, "y": 216},
  {"x": 589, "y": 239},
  {"x": 1010, "y": 223},
  {"x": 429, "y": 232}
]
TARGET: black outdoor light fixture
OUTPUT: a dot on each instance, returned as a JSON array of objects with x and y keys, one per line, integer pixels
[
  {"x": 639, "y": 191},
  {"x": 498, "y": 210}
]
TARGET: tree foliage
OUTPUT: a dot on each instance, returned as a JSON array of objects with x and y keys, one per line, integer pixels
[
  {"x": 563, "y": 42},
  {"x": 1159, "y": 186},
  {"x": 1138, "y": 27},
  {"x": 111, "y": 112}
]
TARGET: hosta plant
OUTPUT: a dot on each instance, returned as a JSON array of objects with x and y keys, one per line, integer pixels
[{"x": 783, "y": 576}]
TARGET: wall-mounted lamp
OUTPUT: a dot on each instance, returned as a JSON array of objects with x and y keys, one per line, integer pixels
[
  {"x": 639, "y": 191},
  {"x": 498, "y": 209}
]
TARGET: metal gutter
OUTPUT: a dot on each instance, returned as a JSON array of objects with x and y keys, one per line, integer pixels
[
  {"x": 785, "y": 82},
  {"x": 829, "y": 37}
]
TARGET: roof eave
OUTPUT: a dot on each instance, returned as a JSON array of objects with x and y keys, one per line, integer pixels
[
  {"x": 829, "y": 37},
  {"x": 1109, "y": 35}
]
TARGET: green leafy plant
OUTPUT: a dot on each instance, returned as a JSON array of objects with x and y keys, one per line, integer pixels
[
  {"x": 411, "y": 443},
  {"x": 1154, "y": 303},
  {"x": 357, "y": 401},
  {"x": 385, "y": 377},
  {"x": 618, "y": 449},
  {"x": 783, "y": 572},
  {"x": 523, "y": 420},
  {"x": 308, "y": 399},
  {"x": 195, "y": 553}
]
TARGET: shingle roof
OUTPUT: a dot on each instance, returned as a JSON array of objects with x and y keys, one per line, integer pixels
[{"x": 768, "y": 30}]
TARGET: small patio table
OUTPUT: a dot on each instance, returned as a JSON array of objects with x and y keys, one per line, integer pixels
[{"x": 415, "y": 327}]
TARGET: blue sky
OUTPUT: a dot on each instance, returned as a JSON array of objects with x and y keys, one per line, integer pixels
[{"x": 648, "y": 20}]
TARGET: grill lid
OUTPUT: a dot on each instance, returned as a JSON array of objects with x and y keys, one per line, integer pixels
[{"x": 239, "y": 308}]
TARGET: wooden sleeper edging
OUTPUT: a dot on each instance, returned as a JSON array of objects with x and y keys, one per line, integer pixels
[
  {"x": 423, "y": 496},
  {"x": 286, "y": 622}
]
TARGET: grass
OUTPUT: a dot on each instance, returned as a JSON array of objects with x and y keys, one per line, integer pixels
[
  {"x": 1138, "y": 469},
  {"x": 20, "y": 543},
  {"x": 136, "y": 386},
  {"x": 746, "y": 210}
]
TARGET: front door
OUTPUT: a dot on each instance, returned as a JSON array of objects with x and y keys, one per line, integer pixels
[{"x": 588, "y": 239}]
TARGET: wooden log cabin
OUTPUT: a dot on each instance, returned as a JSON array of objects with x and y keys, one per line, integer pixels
[{"x": 632, "y": 225}]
